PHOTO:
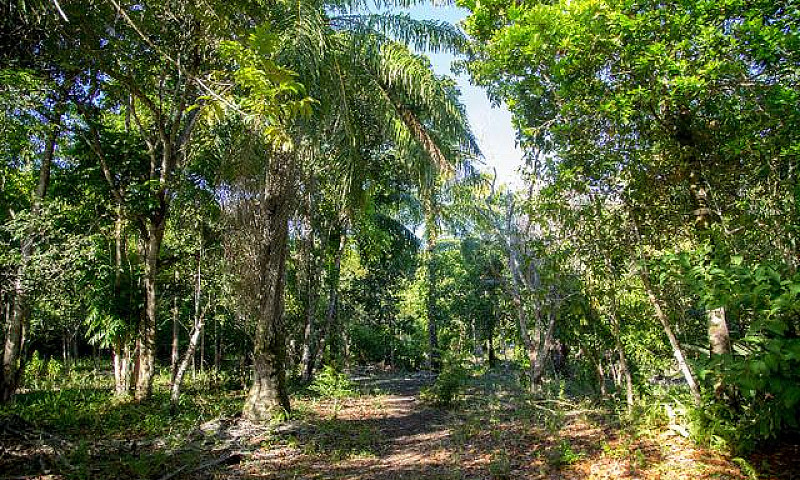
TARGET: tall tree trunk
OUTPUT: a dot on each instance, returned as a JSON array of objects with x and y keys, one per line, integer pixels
[
  {"x": 195, "y": 338},
  {"x": 491, "y": 354},
  {"x": 311, "y": 275},
  {"x": 431, "y": 237},
  {"x": 271, "y": 222},
  {"x": 623, "y": 358},
  {"x": 333, "y": 303},
  {"x": 601, "y": 378},
  {"x": 544, "y": 348},
  {"x": 217, "y": 343},
  {"x": 174, "y": 355},
  {"x": 615, "y": 325},
  {"x": 522, "y": 315},
  {"x": 120, "y": 353},
  {"x": 18, "y": 324},
  {"x": 677, "y": 351},
  {"x": 150, "y": 246},
  {"x": 718, "y": 335},
  {"x": 307, "y": 360},
  {"x": 530, "y": 347}
]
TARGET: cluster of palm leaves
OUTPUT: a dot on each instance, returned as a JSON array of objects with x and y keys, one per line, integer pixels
[{"x": 375, "y": 99}]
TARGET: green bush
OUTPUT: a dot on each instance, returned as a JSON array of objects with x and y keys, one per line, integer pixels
[
  {"x": 41, "y": 372},
  {"x": 760, "y": 397},
  {"x": 449, "y": 385},
  {"x": 330, "y": 383}
]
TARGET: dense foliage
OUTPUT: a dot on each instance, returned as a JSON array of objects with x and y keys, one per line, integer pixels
[{"x": 267, "y": 194}]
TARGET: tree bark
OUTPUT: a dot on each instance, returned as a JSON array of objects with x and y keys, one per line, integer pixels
[
  {"x": 18, "y": 324},
  {"x": 271, "y": 221},
  {"x": 623, "y": 358},
  {"x": 150, "y": 246},
  {"x": 615, "y": 325},
  {"x": 194, "y": 340},
  {"x": 333, "y": 303},
  {"x": 545, "y": 345},
  {"x": 174, "y": 354},
  {"x": 120, "y": 351},
  {"x": 431, "y": 235},
  {"x": 718, "y": 335},
  {"x": 311, "y": 275},
  {"x": 677, "y": 351}
]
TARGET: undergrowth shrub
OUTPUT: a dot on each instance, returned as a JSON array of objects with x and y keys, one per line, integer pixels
[
  {"x": 331, "y": 383},
  {"x": 449, "y": 385}
]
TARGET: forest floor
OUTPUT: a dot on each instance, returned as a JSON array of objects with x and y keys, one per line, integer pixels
[{"x": 387, "y": 432}]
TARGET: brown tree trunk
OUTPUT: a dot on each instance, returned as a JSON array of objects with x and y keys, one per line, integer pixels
[
  {"x": 270, "y": 244},
  {"x": 431, "y": 234},
  {"x": 718, "y": 335},
  {"x": 18, "y": 324},
  {"x": 545, "y": 345},
  {"x": 150, "y": 246},
  {"x": 623, "y": 359}
]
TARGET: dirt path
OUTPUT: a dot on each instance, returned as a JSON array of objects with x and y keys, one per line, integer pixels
[
  {"x": 494, "y": 432},
  {"x": 393, "y": 435}
]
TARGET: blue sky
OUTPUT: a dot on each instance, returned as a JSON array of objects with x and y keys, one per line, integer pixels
[{"x": 492, "y": 126}]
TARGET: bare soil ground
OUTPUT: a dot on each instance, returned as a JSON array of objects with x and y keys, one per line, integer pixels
[
  {"x": 388, "y": 433},
  {"x": 488, "y": 435}
]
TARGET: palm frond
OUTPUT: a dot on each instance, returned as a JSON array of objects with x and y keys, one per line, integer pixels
[{"x": 423, "y": 35}]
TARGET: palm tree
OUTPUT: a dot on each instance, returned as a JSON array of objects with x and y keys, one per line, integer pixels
[{"x": 372, "y": 95}]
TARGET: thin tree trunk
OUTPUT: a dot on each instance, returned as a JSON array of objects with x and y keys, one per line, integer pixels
[
  {"x": 677, "y": 351},
  {"x": 217, "y": 343},
  {"x": 311, "y": 274},
  {"x": 615, "y": 325},
  {"x": 601, "y": 378},
  {"x": 120, "y": 353},
  {"x": 18, "y": 324},
  {"x": 431, "y": 237},
  {"x": 333, "y": 303},
  {"x": 718, "y": 336},
  {"x": 151, "y": 247},
  {"x": 623, "y": 359},
  {"x": 194, "y": 340},
  {"x": 202, "y": 351},
  {"x": 135, "y": 359},
  {"x": 307, "y": 361},
  {"x": 174, "y": 356}
]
